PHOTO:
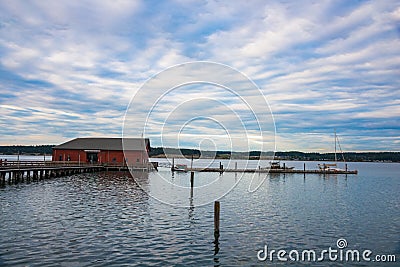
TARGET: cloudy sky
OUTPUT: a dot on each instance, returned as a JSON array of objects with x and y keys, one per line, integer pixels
[{"x": 70, "y": 68}]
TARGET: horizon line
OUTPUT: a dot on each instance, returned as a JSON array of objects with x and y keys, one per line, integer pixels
[{"x": 284, "y": 151}]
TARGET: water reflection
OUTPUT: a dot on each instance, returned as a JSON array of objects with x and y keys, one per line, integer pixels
[
  {"x": 191, "y": 206},
  {"x": 173, "y": 188}
]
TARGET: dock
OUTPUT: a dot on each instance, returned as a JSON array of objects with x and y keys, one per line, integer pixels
[
  {"x": 17, "y": 172},
  {"x": 14, "y": 172},
  {"x": 275, "y": 167},
  {"x": 297, "y": 171}
]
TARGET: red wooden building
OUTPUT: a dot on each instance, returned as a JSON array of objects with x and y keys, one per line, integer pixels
[{"x": 104, "y": 150}]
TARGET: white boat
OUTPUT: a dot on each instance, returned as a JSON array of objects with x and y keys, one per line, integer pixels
[
  {"x": 332, "y": 167},
  {"x": 180, "y": 168},
  {"x": 276, "y": 165},
  {"x": 329, "y": 167}
]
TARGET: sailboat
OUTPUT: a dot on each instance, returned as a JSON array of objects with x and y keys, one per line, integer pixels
[{"x": 332, "y": 167}]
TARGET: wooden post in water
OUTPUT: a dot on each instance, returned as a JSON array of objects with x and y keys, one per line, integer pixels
[
  {"x": 173, "y": 164},
  {"x": 216, "y": 220},
  {"x": 235, "y": 165},
  {"x": 284, "y": 166},
  {"x": 216, "y": 227},
  {"x": 191, "y": 179},
  {"x": 346, "y": 167},
  {"x": 3, "y": 179}
]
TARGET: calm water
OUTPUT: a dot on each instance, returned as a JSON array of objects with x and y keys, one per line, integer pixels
[{"x": 106, "y": 219}]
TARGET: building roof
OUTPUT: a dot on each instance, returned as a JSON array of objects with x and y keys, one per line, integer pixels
[{"x": 100, "y": 143}]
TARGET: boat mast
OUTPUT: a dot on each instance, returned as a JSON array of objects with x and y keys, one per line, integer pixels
[
  {"x": 335, "y": 146},
  {"x": 340, "y": 147}
]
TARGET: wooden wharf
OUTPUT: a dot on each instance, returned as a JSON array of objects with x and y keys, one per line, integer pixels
[
  {"x": 266, "y": 170},
  {"x": 13, "y": 174}
]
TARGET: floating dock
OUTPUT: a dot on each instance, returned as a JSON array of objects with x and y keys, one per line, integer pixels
[
  {"x": 280, "y": 169},
  {"x": 274, "y": 168},
  {"x": 272, "y": 171}
]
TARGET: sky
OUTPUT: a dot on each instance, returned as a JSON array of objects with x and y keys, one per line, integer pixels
[{"x": 73, "y": 68}]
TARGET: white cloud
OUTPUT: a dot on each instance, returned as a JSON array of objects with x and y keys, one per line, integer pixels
[{"x": 66, "y": 63}]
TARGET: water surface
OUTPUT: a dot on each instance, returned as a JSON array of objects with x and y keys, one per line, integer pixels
[{"x": 106, "y": 219}]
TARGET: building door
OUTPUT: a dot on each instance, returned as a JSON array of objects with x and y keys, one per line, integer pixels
[{"x": 92, "y": 157}]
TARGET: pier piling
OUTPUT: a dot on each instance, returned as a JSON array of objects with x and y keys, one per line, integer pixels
[
  {"x": 2, "y": 179},
  {"x": 216, "y": 219},
  {"x": 216, "y": 226}
]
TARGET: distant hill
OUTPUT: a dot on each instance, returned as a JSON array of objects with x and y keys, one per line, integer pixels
[
  {"x": 291, "y": 155},
  {"x": 29, "y": 150},
  {"x": 349, "y": 156}
]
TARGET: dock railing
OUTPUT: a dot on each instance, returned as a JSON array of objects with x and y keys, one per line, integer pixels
[{"x": 28, "y": 164}]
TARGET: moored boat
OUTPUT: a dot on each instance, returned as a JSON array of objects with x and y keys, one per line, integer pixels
[
  {"x": 180, "y": 168},
  {"x": 333, "y": 167},
  {"x": 276, "y": 165}
]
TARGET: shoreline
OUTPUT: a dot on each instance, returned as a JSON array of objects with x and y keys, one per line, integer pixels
[{"x": 274, "y": 159}]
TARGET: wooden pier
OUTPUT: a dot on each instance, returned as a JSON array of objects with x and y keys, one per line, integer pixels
[
  {"x": 274, "y": 168},
  {"x": 14, "y": 175},
  {"x": 13, "y": 172},
  {"x": 262, "y": 170}
]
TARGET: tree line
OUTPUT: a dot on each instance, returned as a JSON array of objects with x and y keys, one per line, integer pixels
[
  {"x": 187, "y": 152},
  {"x": 28, "y": 150},
  {"x": 290, "y": 155}
]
